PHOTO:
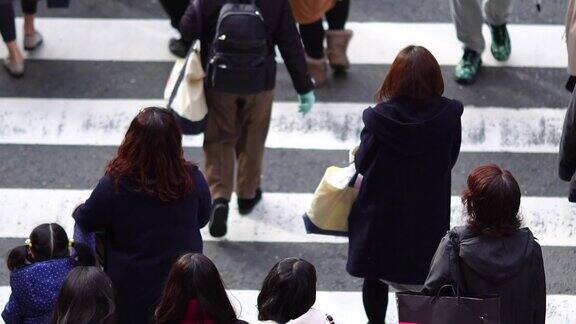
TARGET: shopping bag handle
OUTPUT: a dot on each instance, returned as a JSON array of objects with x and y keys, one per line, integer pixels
[{"x": 455, "y": 266}]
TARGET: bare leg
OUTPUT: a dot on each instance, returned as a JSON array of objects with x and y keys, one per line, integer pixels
[
  {"x": 29, "y": 29},
  {"x": 14, "y": 53}
]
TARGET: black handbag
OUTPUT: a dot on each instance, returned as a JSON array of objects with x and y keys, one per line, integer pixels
[{"x": 452, "y": 308}]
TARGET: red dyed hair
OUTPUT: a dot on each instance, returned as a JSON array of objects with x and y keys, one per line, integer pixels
[
  {"x": 415, "y": 76},
  {"x": 151, "y": 156},
  {"x": 492, "y": 201}
]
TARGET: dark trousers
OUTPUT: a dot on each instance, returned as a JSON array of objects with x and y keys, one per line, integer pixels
[
  {"x": 7, "y": 18},
  {"x": 175, "y": 10},
  {"x": 375, "y": 298},
  {"x": 313, "y": 34}
]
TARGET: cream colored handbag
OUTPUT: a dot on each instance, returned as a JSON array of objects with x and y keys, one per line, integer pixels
[
  {"x": 332, "y": 202},
  {"x": 185, "y": 92}
]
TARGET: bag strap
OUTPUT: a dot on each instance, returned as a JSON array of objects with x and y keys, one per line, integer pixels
[
  {"x": 199, "y": 21},
  {"x": 329, "y": 319},
  {"x": 455, "y": 264}
]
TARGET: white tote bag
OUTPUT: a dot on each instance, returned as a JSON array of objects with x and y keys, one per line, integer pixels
[{"x": 185, "y": 92}]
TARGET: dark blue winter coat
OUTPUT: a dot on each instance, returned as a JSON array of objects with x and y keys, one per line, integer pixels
[
  {"x": 402, "y": 211},
  {"x": 143, "y": 237},
  {"x": 35, "y": 289}
]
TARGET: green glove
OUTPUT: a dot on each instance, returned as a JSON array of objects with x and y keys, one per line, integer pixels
[{"x": 306, "y": 101}]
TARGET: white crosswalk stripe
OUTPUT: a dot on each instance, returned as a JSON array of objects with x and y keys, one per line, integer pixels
[
  {"x": 346, "y": 307},
  {"x": 105, "y": 40},
  {"x": 277, "y": 219},
  {"x": 332, "y": 126}
]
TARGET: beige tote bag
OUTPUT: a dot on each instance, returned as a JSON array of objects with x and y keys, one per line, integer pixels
[{"x": 332, "y": 202}]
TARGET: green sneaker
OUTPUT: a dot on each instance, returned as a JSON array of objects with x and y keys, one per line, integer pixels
[
  {"x": 467, "y": 68},
  {"x": 501, "y": 47}
]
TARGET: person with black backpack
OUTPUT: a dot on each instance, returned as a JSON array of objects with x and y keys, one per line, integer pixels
[{"x": 238, "y": 40}]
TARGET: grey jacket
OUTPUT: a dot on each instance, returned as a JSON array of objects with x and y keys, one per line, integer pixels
[
  {"x": 510, "y": 267},
  {"x": 567, "y": 163}
]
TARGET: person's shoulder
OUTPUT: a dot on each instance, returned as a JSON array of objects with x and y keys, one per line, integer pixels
[
  {"x": 36, "y": 269},
  {"x": 456, "y": 106}
]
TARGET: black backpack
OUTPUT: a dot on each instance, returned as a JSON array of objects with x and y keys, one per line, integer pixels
[{"x": 238, "y": 61}]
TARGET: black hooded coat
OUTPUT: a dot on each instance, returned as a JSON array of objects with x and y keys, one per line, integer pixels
[
  {"x": 406, "y": 155},
  {"x": 510, "y": 267}
]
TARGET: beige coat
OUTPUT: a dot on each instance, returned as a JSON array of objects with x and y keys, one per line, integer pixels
[{"x": 571, "y": 36}]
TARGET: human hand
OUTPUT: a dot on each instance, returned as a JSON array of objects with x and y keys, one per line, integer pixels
[{"x": 306, "y": 102}]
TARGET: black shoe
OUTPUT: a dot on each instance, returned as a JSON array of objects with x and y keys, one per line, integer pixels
[
  {"x": 179, "y": 47},
  {"x": 245, "y": 206},
  {"x": 219, "y": 218}
]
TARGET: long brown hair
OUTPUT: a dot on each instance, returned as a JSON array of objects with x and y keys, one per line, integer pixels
[
  {"x": 492, "y": 201},
  {"x": 194, "y": 276},
  {"x": 151, "y": 156},
  {"x": 415, "y": 76}
]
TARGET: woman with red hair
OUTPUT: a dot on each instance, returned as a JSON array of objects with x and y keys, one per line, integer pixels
[
  {"x": 496, "y": 256},
  {"x": 151, "y": 204}
]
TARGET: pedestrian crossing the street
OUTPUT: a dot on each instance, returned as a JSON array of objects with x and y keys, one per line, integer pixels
[{"x": 63, "y": 121}]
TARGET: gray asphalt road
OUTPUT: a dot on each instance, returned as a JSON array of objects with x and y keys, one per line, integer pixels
[
  {"x": 285, "y": 170},
  {"x": 496, "y": 86}
]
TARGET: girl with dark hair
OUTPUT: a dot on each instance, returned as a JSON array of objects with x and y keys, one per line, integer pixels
[
  {"x": 496, "y": 256},
  {"x": 38, "y": 269},
  {"x": 288, "y": 294},
  {"x": 150, "y": 205},
  {"x": 86, "y": 297},
  {"x": 195, "y": 294},
  {"x": 409, "y": 144}
]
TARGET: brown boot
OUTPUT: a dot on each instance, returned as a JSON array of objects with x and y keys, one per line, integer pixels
[
  {"x": 338, "y": 41},
  {"x": 318, "y": 70}
]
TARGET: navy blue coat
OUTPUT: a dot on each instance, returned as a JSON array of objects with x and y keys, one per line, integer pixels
[
  {"x": 143, "y": 238},
  {"x": 35, "y": 289},
  {"x": 402, "y": 211}
]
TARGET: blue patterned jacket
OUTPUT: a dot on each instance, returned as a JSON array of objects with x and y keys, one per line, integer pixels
[{"x": 35, "y": 289}]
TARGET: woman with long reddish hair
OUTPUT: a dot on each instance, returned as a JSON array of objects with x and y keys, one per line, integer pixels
[
  {"x": 195, "y": 294},
  {"x": 150, "y": 204},
  {"x": 409, "y": 144}
]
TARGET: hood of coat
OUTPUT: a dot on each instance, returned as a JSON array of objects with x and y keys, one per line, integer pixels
[
  {"x": 37, "y": 285},
  {"x": 411, "y": 129},
  {"x": 497, "y": 259}
]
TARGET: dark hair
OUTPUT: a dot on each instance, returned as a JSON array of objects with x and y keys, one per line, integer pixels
[
  {"x": 47, "y": 242},
  {"x": 194, "y": 276},
  {"x": 151, "y": 156},
  {"x": 288, "y": 291},
  {"x": 415, "y": 76},
  {"x": 492, "y": 201},
  {"x": 86, "y": 297}
]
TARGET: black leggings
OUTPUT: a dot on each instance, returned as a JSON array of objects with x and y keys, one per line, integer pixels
[
  {"x": 7, "y": 18},
  {"x": 313, "y": 34},
  {"x": 375, "y": 298}
]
